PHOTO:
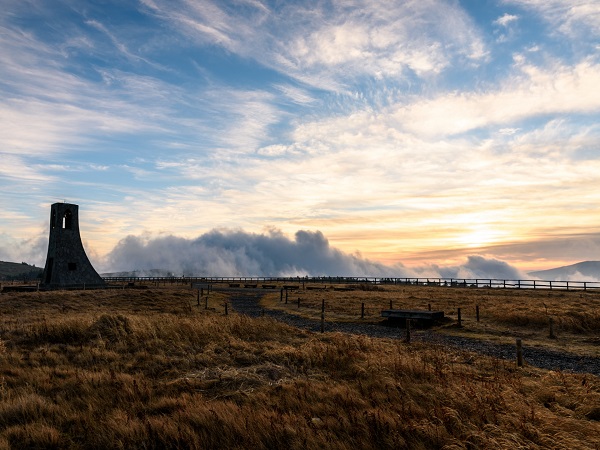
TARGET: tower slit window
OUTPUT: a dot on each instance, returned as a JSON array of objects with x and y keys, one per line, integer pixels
[{"x": 67, "y": 222}]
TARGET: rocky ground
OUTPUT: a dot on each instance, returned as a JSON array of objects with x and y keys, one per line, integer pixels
[{"x": 248, "y": 303}]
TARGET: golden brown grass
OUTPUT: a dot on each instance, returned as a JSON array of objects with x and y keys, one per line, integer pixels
[
  {"x": 150, "y": 369},
  {"x": 504, "y": 313}
]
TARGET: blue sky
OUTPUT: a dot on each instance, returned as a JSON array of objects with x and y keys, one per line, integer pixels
[{"x": 413, "y": 132}]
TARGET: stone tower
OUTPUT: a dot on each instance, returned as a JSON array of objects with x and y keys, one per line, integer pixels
[{"x": 67, "y": 265}]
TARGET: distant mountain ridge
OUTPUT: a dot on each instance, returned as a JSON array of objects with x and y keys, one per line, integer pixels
[
  {"x": 14, "y": 271},
  {"x": 585, "y": 269}
]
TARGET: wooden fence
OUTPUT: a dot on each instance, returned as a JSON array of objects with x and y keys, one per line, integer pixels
[{"x": 446, "y": 282}]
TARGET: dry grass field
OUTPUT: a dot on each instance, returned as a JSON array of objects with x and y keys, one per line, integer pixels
[
  {"x": 504, "y": 314},
  {"x": 148, "y": 369}
]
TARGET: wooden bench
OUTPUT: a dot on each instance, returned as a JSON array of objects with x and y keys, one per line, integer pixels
[
  {"x": 250, "y": 285},
  {"x": 234, "y": 284},
  {"x": 424, "y": 317},
  {"x": 316, "y": 288},
  {"x": 291, "y": 287},
  {"x": 269, "y": 286}
]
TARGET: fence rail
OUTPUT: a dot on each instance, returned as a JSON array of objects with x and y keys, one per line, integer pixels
[{"x": 447, "y": 282}]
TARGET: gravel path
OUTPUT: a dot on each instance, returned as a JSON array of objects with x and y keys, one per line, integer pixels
[{"x": 248, "y": 303}]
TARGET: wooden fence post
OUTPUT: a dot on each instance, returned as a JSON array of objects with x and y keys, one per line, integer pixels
[
  {"x": 429, "y": 306},
  {"x": 286, "y": 296},
  {"x": 198, "y": 299},
  {"x": 281, "y": 295},
  {"x": 477, "y": 312},
  {"x": 519, "y": 353},
  {"x": 391, "y": 305},
  {"x": 459, "y": 318},
  {"x": 226, "y": 309},
  {"x": 323, "y": 316},
  {"x": 408, "y": 331},
  {"x": 362, "y": 311},
  {"x": 298, "y": 302},
  {"x": 551, "y": 324}
]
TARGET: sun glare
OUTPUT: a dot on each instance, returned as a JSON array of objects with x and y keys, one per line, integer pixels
[{"x": 478, "y": 236}]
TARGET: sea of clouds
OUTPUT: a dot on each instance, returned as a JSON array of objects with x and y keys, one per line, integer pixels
[{"x": 240, "y": 253}]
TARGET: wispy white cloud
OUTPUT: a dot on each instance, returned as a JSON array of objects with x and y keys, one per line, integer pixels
[
  {"x": 16, "y": 169},
  {"x": 505, "y": 30},
  {"x": 508, "y": 131},
  {"x": 297, "y": 95},
  {"x": 247, "y": 116},
  {"x": 534, "y": 92},
  {"x": 208, "y": 21},
  {"x": 571, "y": 17},
  {"x": 119, "y": 43},
  {"x": 506, "y": 19},
  {"x": 385, "y": 40},
  {"x": 46, "y": 109},
  {"x": 327, "y": 45}
]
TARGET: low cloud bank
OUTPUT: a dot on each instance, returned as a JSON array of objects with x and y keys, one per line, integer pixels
[
  {"x": 238, "y": 253},
  {"x": 582, "y": 271},
  {"x": 32, "y": 251}
]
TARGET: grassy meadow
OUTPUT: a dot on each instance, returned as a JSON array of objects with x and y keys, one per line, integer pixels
[
  {"x": 504, "y": 314},
  {"x": 148, "y": 369}
]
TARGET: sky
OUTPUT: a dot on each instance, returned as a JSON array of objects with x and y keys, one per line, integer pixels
[{"x": 408, "y": 136}]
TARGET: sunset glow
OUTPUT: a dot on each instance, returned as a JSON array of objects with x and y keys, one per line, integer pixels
[{"x": 411, "y": 133}]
